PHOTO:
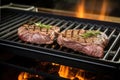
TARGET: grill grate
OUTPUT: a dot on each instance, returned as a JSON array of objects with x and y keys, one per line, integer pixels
[
  {"x": 8, "y": 31},
  {"x": 10, "y": 24}
]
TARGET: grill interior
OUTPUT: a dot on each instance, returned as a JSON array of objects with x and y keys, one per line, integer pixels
[{"x": 11, "y": 20}]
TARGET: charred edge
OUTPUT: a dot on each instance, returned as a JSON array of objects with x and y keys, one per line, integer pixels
[
  {"x": 84, "y": 38},
  {"x": 26, "y": 27},
  {"x": 78, "y": 35},
  {"x": 72, "y": 33},
  {"x": 65, "y": 33},
  {"x": 40, "y": 28},
  {"x": 47, "y": 31},
  {"x": 34, "y": 28}
]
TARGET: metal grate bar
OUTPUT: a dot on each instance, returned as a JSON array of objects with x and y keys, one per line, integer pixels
[
  {"x": 34, "y": 20},
  {"x": 77, "y": 26},
  {"x": 92, "y": 27},
  {"x": 58, "y": 23},
  {"x": 49, "y": 20},
  {"x": 54, "y": 22},
  {"x": 68, "y": 27},
  {"x": 106, "y": 30},
  {"x": 118, "y": 51},
  {"x": 99, "y": 28},
  {"x": 111, "y": 34},
  {"x": 43, "y": 19},
  {"x": 85, "y": 26},
  {"x": 113, "y": 44},
  {"x": 13, "y": 36},
  {"x": 9, "y": 28},
  {"x": 9, "y": 18},
  {"x": 17, "y": 39},
  {"x": 119, "y": 60},
  {"x": 10, "y": 23},
  {"x": 18, "y": 24},
  {"x": 64, "y": 25},
  {"x": 7, "y": 25}
]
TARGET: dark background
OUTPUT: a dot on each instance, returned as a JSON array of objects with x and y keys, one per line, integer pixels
[{"x": 69, "y": 5}]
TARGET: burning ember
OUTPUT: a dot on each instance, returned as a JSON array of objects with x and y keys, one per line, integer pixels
[
  {"x": 81, "y": 11},
  {"x": 71, "y": 73},
  {"x": 27, "y": 76}
]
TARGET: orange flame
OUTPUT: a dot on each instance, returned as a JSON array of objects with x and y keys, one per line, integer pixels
[
  {"x": 103, "y": 10},
  {"x": 22, "y": 76},
  {"x": 66, "y": 72},
  {"x": 79, "y": 75},
  {"x": 81, "y": 9},
  {"x": 81, "y": 12},
  {"x": 26, "y": 76}
]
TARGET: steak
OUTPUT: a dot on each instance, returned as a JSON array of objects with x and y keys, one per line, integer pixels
[
  {"x": 85, "y": 41},
  {"x": 36, "y": 34}
]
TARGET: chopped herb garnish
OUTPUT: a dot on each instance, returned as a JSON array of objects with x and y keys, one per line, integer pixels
[
  {"x": 43, "y": 25},
  {"x": 90, "y": 34}
]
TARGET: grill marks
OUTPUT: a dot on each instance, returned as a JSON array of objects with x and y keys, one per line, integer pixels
[
  {"x": 75, "y": 35},
  {"x": 37, "y": 34},
  {"x": 35, "y": 28}
]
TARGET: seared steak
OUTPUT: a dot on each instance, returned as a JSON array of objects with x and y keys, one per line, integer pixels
[
  {"x": 36, "y": 34},
  {"x": 88, "y": 42}
]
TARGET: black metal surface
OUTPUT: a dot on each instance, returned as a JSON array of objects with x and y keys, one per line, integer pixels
[{"x": 9, "y": 40}]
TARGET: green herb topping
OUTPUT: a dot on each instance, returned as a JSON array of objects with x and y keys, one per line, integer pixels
[
  {"x": 90, "y": 34},
  {"x": 43, "y": 25}
]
